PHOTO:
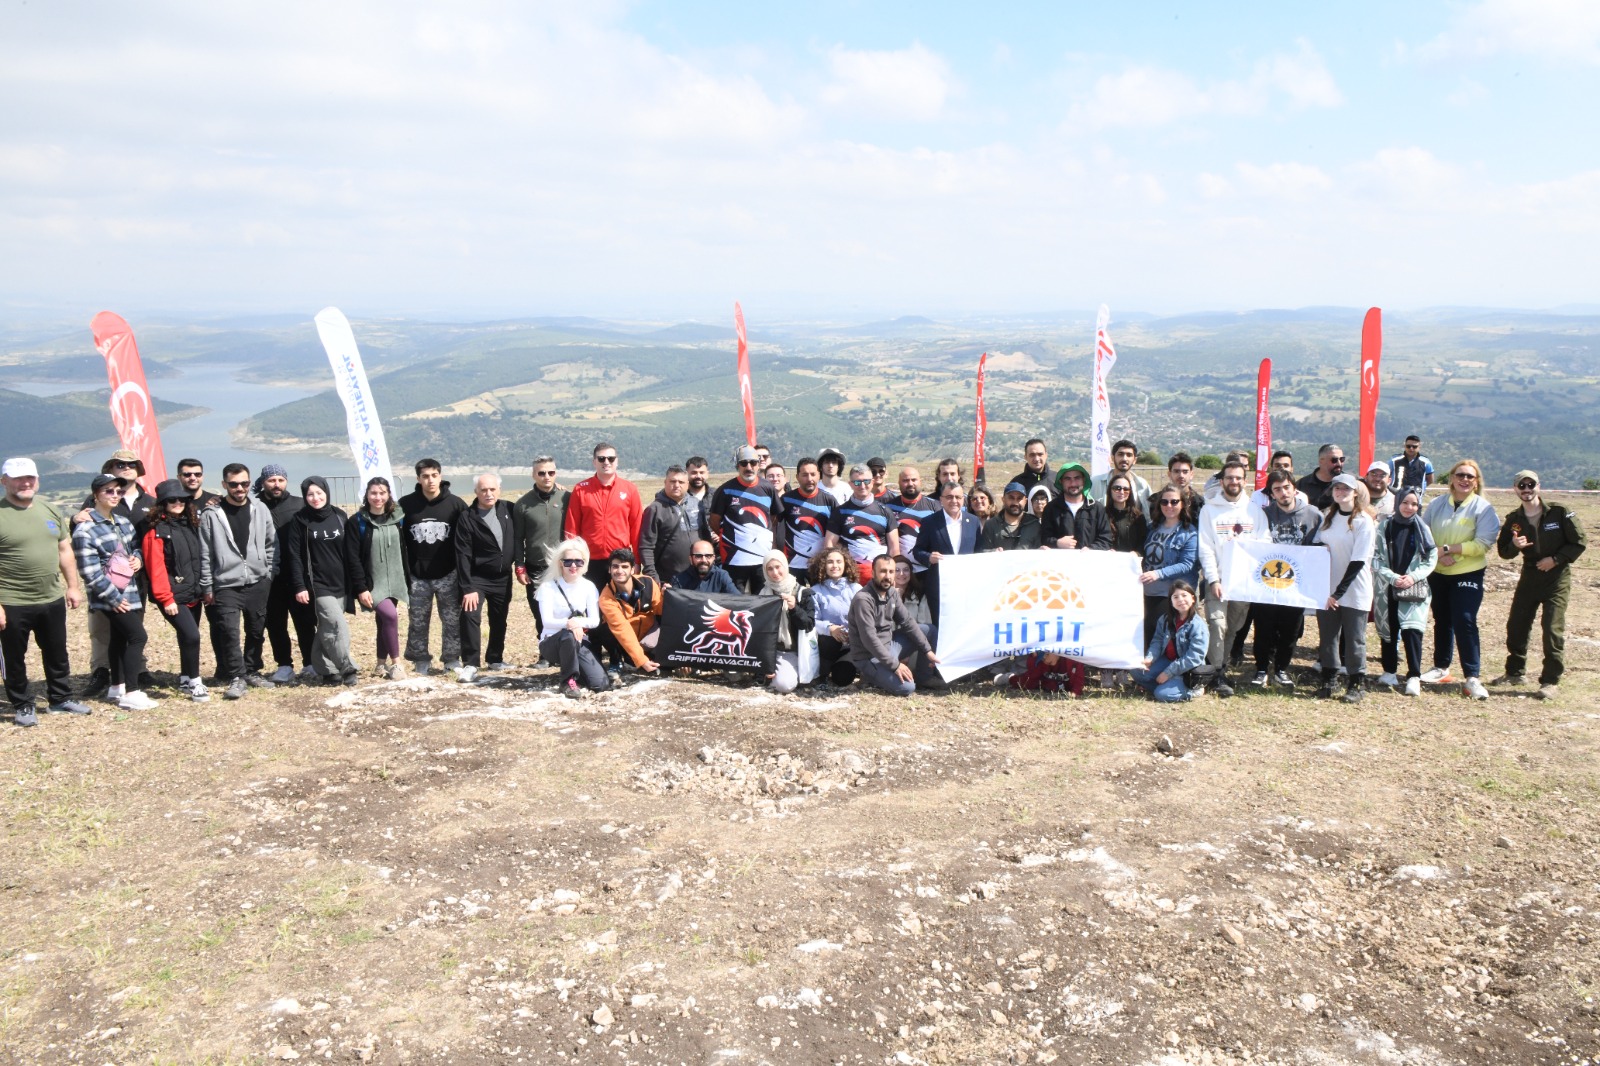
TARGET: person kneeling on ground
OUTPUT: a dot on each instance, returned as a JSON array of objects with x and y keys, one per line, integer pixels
[
  {"x": 1179, "y": 646},
  {"x": 876, "y": 615},
  {"x": 794, "y": 624},
  {"x": 570, "y": 607},
  {"x": 631, "y": 607}
]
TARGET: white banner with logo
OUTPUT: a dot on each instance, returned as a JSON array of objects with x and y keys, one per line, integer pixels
[
  {"x": 361, "y": 414},
  {"x": 1086, "y": 605},
  {"x": 1288, "y": 575}
]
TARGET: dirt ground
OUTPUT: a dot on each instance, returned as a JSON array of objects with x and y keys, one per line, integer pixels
[{"x": 700, "y": 872}]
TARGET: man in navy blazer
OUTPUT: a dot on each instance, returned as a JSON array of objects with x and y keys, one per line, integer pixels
[{"x": 954, "y": 531}]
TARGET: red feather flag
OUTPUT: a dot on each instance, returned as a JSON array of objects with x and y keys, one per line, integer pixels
[
  {"x": 1263, "y": 424},
  {"x": 1371, "y": 355},
  {"x": 746, "y": 393},
  {"x": 982, "y": 429},
  {"x": 132, "y": 412}
]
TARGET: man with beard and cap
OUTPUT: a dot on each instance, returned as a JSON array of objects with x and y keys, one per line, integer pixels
[
  {"x": 703, "y": 573},
  {"x": 431, "y": 513},
  {"x": 38, "y": 586},
  {"x": 485, "y": 545},
  {"x": 1377, "y": 479},
  {"x": 746, "y": 521},
  {"x": 669, "y": 526},
  {"x": 877, "y": 615},
  {"x": 322, "y": 561},
  {"x": 830, "y": 463},
  {"x": 135, "y": 507},
  {"x": 1013, "y": 529},
  {"x": 272, "y": 489},
  {"x": 880, "y": 472},
  {"x": 536, "y": 522},
  {"x": 1549, "y": 539},
  {"x": 1072, "y": 520},
  {"x": 238, "y": 560}
]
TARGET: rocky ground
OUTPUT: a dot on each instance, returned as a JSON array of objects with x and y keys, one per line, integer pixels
[{"x": 701, "y": 872}]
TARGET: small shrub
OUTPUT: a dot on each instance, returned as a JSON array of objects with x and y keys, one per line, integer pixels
[
  {"x": 1208, "y": 462},
  {"x": 1591, "y": 483},
  {"x": 1151, "y": 457}
]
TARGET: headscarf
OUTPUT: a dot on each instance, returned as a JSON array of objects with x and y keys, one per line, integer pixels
[
  {"x": 270, "y": 470},
  {"x": 1406, "y": 537},
  {"x": 308, "y": 513},
  {"x": 785, "y": 586}
]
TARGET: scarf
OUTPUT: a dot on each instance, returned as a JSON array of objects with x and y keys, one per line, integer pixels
[
  {"x": 308, "y": 513},
  {"x": 1406, "y": 537},
  {"x": 785, "y": 586}
]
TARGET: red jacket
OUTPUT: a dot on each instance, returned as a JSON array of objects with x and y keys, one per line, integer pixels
[{"x": 606, "y": 517}]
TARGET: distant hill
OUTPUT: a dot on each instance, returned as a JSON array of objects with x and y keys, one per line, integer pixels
[{"x": 33, "y": 425}]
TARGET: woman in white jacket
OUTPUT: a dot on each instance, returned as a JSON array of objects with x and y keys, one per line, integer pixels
[{"x": 569, "y": 606}]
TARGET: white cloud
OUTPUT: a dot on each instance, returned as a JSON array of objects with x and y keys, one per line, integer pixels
[
  {"x": 1467, "y": 93},
  {"x": 1567, "y": 30},
  {"x": 1286, "y": 181},
  {"x": 1413, "y": 177},
  {"x": 912, "y": 83},
  {"x": 1156, "y": 96}
]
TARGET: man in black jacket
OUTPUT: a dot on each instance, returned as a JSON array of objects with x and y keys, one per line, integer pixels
[
  {"x": 536, "y": 520},
  {"x": 1071, "y": 520},
  {"x": 672, "y": 522},
  {"x": 272, "y": 489},
  {"x": 1549, "y": 539},
  {"x": 432, "y": 512},
  {"x": 485, "y": 545}
]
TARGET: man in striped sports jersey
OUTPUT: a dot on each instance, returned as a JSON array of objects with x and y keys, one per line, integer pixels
[
  {"x": 866, "y": 527},
  {"x": 809, "y": 518},
  {"x": 746, "y": 521},
  {"x": 911, "y": 507}
]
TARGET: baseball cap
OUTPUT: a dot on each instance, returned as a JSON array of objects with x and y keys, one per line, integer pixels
[
  {"x": 1377, "y": 464},
  {"x": 102, "y": 480},
  {"x": 746, "y": 454},
  {"x": 1522, "y": 475},
  {"x": 1349, "y": 481},
  {"x": 19, "y": 467},
  {"x": 1016, "y": 486}
]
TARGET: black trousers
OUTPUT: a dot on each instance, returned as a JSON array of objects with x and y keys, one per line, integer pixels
[
  {"x": 125, "y": 653},
  {"x": 47, "y": 622},
  {"x": 186, "y": 623},
  {"x": 283, "y": 608},
  {"x": 495, "y": 596},
  {"x": 1277, "y": 630},
  {"x": 237, "y": 608},
  {"x": 532, "y": 590},
  {"x": 748, "y": 579}
]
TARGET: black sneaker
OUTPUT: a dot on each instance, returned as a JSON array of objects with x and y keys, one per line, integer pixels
[
  {"x": 25, "y": 716},
  {"x": 1221, "y": 687},
  {"x": 1282, "y": 678},
  {"x": 99, "y": 681},
  {"x": 257, "y": 681}
]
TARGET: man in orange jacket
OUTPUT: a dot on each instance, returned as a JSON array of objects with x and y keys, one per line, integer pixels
[{"x": 630, "y": 606}]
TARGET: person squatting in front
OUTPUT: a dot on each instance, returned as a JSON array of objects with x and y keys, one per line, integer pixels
[
  {"x": 1179, "y": 646},
  {"x": 883, "y": 635},
  {"x": 570, "y": 607}
]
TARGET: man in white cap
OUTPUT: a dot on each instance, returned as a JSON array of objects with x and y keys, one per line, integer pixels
[
  {"x": 1377, "y": 479},
  {"x": 38, "y": 585}
]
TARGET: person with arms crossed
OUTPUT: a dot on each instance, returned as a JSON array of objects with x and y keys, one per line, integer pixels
[{"x": 272, "y": 489}]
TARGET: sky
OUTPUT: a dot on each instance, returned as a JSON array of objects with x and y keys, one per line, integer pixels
[{"x": 829, "y": 159}]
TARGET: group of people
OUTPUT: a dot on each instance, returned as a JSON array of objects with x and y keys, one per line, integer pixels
[{"x": 854, "y": 560}]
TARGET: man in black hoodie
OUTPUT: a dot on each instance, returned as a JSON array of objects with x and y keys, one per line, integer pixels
[
  {"x": 485, "y": 545},
  {"x": 673, "y": 522},
  {"x": 432, "y": 512},
  {"x": 272, "y": 489}
]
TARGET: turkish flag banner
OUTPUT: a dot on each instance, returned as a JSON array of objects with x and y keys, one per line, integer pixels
[
  {"x": 981, "y": 430},
  {"x": 1263, "y": 423},
  {"x": 746, "y": 393},
  {"x": 1371, "y": 356},
  {"x": 132, "y": 411}
]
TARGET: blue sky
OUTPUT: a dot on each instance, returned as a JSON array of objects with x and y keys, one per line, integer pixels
[{"x": 824, "y": 159}]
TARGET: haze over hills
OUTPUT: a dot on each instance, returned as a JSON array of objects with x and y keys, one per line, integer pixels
[{"x": 1512, "y": 388}]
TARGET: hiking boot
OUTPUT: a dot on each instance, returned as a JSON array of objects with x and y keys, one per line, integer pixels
[
  {"x": 236, "y": 689},
  {"x": 283, "y": 675},
  {"x": 1329, "y": 685},
  {"x": 1474, "y": 689},
  {"x": 1413, "y": 686},
  {"x": 1547, "y": 692},
  {"x": 136, "y": 701},
  {"x": 68, "y": 707},
  {"x": 99, "y": 681},
  {"x": 1221, "y": 687},
  {"x": 570, "y": 689},
  {"x": 1439, "y": 675},
  {"x": 257, "y": 681},
  {"x": 25, "y": 716},
  {"x": 1509, "y": 681},
  {"x": 1260, "y": 680},
  {"x": 1354, "y": 693},
  {"x": 351, "y": 679}
]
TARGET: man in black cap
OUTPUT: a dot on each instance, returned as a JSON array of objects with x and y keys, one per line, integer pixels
[
  {"x": 135, "y": 507},
  {"x": 1549, "y": 539}
]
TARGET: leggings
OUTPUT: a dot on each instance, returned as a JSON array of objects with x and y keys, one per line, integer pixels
[
  {"x": 187, "y": 625},
  {"x": 125, "y": 652},
  {"x": 388, "y": 615},
  {"x": 1456, "y": 599},
  {"x": 1389, "y": 651}
]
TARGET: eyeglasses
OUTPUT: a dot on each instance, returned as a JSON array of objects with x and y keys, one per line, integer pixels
[
  {"x": 574, "y": 563},
  {"x": 237, "y": 484},
  {"x": 605, "y": 458},
  {"x": 119, "y": 465},
  {"x": 702, "y": 555}
]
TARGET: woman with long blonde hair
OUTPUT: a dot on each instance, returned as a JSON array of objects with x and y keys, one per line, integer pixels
[{"x": 1464, "y": 527}]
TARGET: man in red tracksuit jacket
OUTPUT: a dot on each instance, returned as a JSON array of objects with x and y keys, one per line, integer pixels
[{"x": 604, "y": 511}]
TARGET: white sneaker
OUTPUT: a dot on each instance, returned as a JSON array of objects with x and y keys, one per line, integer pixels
[
  {"x": 282, "y": 675},
  {"x": 1388, "y": 681},
  {"x": 197, "y": 690},
  {"x": 1475, "y": 690},
  {"x": 135, "y": 701},
  {"x": 466, "y": 673},
  {"x": 1413, "y": 686},
  {"x": 1436, "y": 675}
]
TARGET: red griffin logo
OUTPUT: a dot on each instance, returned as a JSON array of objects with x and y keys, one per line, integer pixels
[{"x": 726, "y": 633}]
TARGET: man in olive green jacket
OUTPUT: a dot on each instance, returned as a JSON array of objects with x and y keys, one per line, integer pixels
[{"x": 536, "y": 527}]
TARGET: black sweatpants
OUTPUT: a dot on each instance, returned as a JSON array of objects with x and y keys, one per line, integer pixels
[
  {"x": 283, "y": 608},
  {"x": 233, "y": 609},
  {"x": 1277, "y": 630},
  {"x": 495, "y": 596},
  {"x": 186, "y": 623},
  {"x": 125, "y": 653},
  {"x": 47, "y": 622}
]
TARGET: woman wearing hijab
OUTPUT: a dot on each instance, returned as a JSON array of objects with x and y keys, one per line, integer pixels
[
  {"x": 172, "y": 554},
  {"x": 108, "y": 558},
  {"x": 1404, "y": 557},
  {"x": 322, "y": 561},
  {"x": 380, "y": 581},
  {"x": 797, "y": 617},
  {"x": 1348, "y": 532},
  {"x": 569, "y": 607},
  {"x": 1465, "y": 527}
]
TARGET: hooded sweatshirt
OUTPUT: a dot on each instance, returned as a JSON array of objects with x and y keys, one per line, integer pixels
[
  {"x": 431, "y": 525},
  {"x": 320, "y": 556}
]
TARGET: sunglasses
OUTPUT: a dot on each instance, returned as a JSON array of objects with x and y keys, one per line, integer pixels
[
  {"x": 1120, "y": 488},
  {"x": 605, "y": 458},
  {"x": 1465, "y": 476},
  {"x": 1523, "y": 486},
  {"x": 237, "y": 484},
  {"x": 111, "y": 490},
  {"x": 702, "y": 555},
  {"x": 574, "y": 563},
  {"x": 1170, "y": 502},
  {"x": 862, "y": 481},
  {"x": 749, "y": 462},
  {"x": 187, "y": 474},
  {"x": 1338, "y": 459}
]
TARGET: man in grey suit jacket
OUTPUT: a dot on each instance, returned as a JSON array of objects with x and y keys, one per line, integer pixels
[{"x": 954, "y": 531}]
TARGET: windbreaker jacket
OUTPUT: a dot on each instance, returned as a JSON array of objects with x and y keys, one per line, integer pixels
[
  {"x": 536, "y": 524},
  {"x": 605, "y": 516},
  {"x": 1473, "y": 525}
]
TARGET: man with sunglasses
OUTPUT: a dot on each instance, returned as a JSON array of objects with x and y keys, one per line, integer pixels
[
  {"x": 703, "y": 575},
  {"x": 865, "y": 527},
  {"x": 238, "y": 560},
  {"x": 1549, "y": 539},
  {"x": 746, "y": 521},
  {"x": 604, "y": 512},
  {"x": 1318, "y": 485},
  {"x": 1411, "y": 469},
  {"x": 192, "y": 475}
]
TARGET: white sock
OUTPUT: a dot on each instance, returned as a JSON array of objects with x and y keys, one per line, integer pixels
[{"x": 116, "y": 692}]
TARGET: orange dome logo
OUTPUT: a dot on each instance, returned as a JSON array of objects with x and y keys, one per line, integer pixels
[{"x": 1038, "y": 591}]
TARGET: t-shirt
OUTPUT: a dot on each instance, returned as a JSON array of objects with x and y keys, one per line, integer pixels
[
  {"x": 1349, "y": 541},
  {"x": 238, "y": 522},
  {"x": 806, "y": 522},
  {"x": 30, "y": 553},
  {"x": 909, "y": 518},
  {"x": 864, "y": 528},
  {"x": 748, "y": 512}
]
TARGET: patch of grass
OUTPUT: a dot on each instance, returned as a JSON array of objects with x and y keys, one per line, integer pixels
[
  {"x": 1020, "y": 813},
  {"x": 1512, "y": 784},
  {"x": 751, "y": 956},
  {"x": 356, "y": 936},
  {"x": 450, "y": 962}
]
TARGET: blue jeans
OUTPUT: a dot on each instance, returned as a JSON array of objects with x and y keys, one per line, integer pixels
[{"x": 1172, "y": 690}]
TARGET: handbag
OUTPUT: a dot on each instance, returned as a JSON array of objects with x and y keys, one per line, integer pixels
[
  {"x": 119, "y": 569},
  {"x": 1415, "y": 594}
]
